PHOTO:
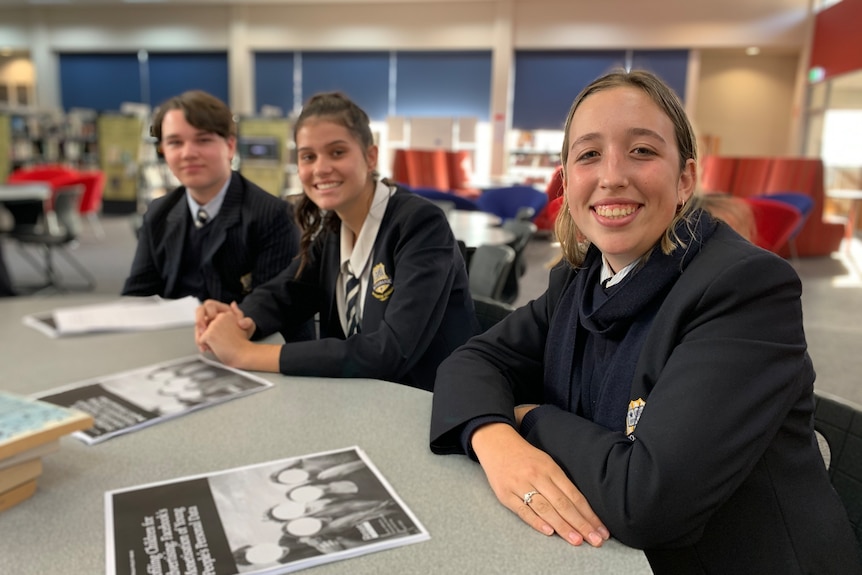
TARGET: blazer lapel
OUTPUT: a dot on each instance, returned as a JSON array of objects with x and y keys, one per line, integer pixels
[
  {"x": 174, "y": 240},
  {"x": 329, "y": 270},
  {"x": 228, "y": 217}
]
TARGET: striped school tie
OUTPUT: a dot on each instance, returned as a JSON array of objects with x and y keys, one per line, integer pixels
[
  {"x": 202, "y": 218},
  {"x": 352, "y": 305}
]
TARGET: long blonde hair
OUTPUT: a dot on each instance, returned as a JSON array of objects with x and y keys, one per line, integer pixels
[{"x": 572, "y": 242}]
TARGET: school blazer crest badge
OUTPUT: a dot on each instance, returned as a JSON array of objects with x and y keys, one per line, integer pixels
[
  {"x": 633, "y": 415},
  {"x": 381, "y": 283}
]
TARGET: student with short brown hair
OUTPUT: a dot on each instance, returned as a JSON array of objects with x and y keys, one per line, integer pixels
[{"x": 218, "y": 235}]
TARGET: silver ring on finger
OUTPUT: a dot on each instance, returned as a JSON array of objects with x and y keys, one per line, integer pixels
[{"x": 528, "y": 497}]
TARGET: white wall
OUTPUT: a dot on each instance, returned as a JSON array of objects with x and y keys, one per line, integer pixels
[
  {"x": 747, "y": 102},
  {"x": 665, "y": 24}
]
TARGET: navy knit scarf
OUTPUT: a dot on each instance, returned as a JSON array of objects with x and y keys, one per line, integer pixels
[{"x": 596, "y": 335}]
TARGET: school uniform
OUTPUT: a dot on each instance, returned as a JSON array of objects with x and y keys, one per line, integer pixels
[
  {"x": 251, "y": 239},
  {"x": 708, "y": 461},
  {"x": 415, "y": 308}
]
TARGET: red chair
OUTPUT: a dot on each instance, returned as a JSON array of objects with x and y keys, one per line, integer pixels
[
  {"x": 717, "y": 173},
  {"x": 555, "y": 186},
  {"x": 91, "y": 200},
  {"x": 54, "y": 175},
  {"x": 751, "y": 176},
  {"x": 546, "y": 218},
  {"x": 774, "y": 222},
  {"x": 61, "y": 177}
]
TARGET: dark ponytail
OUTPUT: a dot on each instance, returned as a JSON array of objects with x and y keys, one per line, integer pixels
[{"x": 337, "y": 108}]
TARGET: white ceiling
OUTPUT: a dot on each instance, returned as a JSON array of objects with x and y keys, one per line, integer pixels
[
  {"x": 4, "y": 3},
  {"x": 717, "y": 9}
]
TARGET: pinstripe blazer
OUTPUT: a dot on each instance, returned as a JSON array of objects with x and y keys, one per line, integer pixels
[{"x": 253, "y": 238}]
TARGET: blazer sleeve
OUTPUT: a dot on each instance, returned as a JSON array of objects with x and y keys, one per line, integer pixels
[
  {"x": 145, "y": 277},
  {"x": 277, "y": 240},
  {"x": 285, "y": 302},
  {"x": 725, "y": 361},
  {"x": 419, "y": 243},
  {"x": 496, "y": 370}
]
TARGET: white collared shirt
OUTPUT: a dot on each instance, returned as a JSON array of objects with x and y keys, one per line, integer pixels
[
  {"x": 615, "y": 278},
  {"x": 213, "y": 206},
  {"x": 356, "y": 255}
]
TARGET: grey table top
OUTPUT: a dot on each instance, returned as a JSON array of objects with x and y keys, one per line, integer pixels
[
  {"x": 61, "y": 529},
  {"x": 476, "y": 228}
]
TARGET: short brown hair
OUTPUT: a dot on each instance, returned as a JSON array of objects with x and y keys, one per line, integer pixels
[{"x": 201, "y": 109}]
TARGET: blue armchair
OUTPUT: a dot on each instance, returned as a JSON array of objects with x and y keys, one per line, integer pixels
[{"x": 506, "y": 202}]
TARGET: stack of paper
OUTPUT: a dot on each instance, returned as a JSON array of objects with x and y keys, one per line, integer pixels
[
  {"x": 127, "y": 314},
  {"x": 29, "y": 430}
]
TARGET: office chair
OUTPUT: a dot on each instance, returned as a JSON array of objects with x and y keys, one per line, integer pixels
[
  {"x": 59, "y": 228},
  {"x": 840, "y": 424},
  {"x": 489, "y": 312},
  {"x": 489, "y": 266},
  {"x": 523, "y": 232}
]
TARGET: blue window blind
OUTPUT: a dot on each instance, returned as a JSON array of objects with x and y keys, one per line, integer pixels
[
  {"x": 171, "y": 74},
  {"x": 443, "y": 84},
  {"x": 546, "y": 83},
  {"x": 363, "y": 76},
  {"x": 99, "y": 81},
  {"x": 273, "y": 80},
  {"x": 669, "y": 65}
]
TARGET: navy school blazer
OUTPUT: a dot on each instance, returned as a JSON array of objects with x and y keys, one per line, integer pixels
[
  {"x": 254, "y": 237},
  {"x": 721, "y": 473},
  {"x": 416, "y": 311}
]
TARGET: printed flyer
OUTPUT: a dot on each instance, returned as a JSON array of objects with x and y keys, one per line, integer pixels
[
  {"x": 124, "y": 402},
  {"x": 269, "y": 518}
]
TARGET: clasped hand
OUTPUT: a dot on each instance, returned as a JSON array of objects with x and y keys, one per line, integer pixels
[
  {"x": 222, "y": 329},
  {"x": 514, "y": 468}
]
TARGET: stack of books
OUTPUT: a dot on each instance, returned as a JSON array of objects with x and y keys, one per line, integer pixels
[{"x": 29, "y": 430}]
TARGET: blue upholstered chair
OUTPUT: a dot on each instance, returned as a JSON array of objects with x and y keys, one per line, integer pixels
[
  {"x": 460, "y": 202},
  {"x": 506, "y": 202}
]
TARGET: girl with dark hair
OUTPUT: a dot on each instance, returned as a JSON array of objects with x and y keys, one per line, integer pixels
[{"x": 379, "y": 264}]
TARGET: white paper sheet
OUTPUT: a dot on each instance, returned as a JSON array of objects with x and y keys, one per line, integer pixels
[{"x": 127, "y": 314}]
